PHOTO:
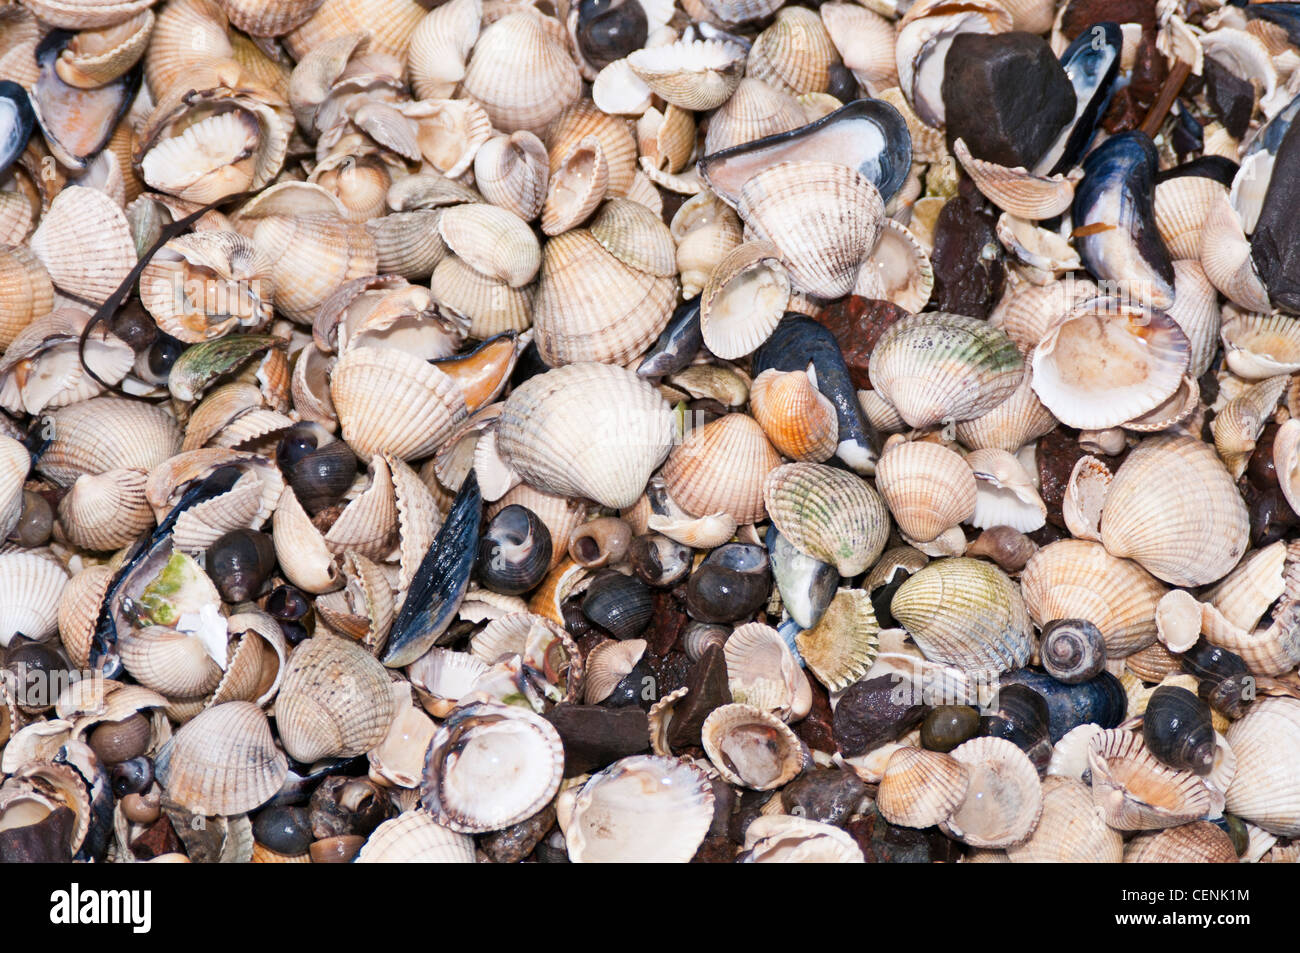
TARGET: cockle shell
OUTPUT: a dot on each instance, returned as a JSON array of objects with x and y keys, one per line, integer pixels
[
  {"x": 797, "y": 417},
  {"x": 828, "y": 514},
  {"x": 721, "y": 468},
  {"x": 1264, "y": 789},
  {"x": 927, "y": 487},
  {"x": 520, "y": 73},
  {"x": 224, "y": 761}
]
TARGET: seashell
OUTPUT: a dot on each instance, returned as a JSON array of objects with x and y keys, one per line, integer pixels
[
  {"x": 798, "y": 419},
  {"x": 1176, "y": 728},
  {"x": 751, "y": 748},
  {"x": 440, "y": 46},
  {"x": 823, "y": 218},
  {"x": 618, "y": 146},
  {"x": 897, "y": 270},
  {"x": 492, "y": 241},
  {"x": 1258, "y": 346},
  {"x": 1226, "y": 258},
  {"x": 1017, "y": 421},
  {"x": 635, "y": 236},
  {"x": 491, "y": 306},
  {"x": 414, "y": 837},
  {"x": 172, "y": 662},
  {"x": 1200, "y": 842},
  {"x": 1069, "y": 830},
  {"x": 223, "y": 761},
  {"x": 1196, "y": 310},
  {"x": 269, "y": 19},
  {"x": 967, "y": 613},
  {"x": 1072, "y": 650},
  {"x": 520, "y": 74},
  {"x": 1016, "y": 190},
  {"x": 84, "y": 243},
  {"x": 566, "y": 432},
  {"x": 1245, "y": 594},
  {"x": 515, "y": 551},
  {"x": 794, "y": 54},
  {"x": 590, "y": 306},
  {"x": 408, "y": 243},
  {"x": 840, "y": 648},
  {"x": 578, "y": 185},
  {"x": 1109, "y": 362},
  {"x": 1044, "y": 253},
  {"x": 312, "y": 255},
  {"x": 25, "y": 292},
  {"x": 1004, "y": 493},
  {"x": 448, "y": 132},
  {"x": 107, "y": 433},
  {"x": 1135, "y": 792},
  {"x": 1190, "y": 541},
  {"x": 106, "y": 511},
  {"x": 1004, "y": 800},
  {"x": 744, "y": 299},
  {"x": 201, "y": 286},
  {"x": 762, "y": 672},
  {"x": 921, "y": 788},
  {"x": 43, "y": 367},
  {"x": 1263, "y": 791},
  {"x": 78, "y": 610},
  {"x": 828, "y": 514},
  {"x": 442, "y": 678},
  {"x": 754, "y": 111},
  {"x": 927, "y": 487},
  {"x": 979, "y": 365},
  {"x": 1182, "y": 204},
  {"x": 786, "y": 839},
  {"x": 721, "y": 468},
  {"x": 32, "y": 585},
  {"x": 512, "y": 172},
  {"x": 641, "y": 809},
  {"x": 333, "y": 701},
  {"x": 865, "y": 42},
  {"x": 390, "y": 23},
  {"x": 475, "y": 752},
  {"x": 607, "y": 664},
  {"x": 1241, "y": 420},
  {"x": 691, "y": 74}
]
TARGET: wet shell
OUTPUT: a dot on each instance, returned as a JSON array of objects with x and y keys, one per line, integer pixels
[
  {"x": 1135, "y": 792},
  {"x": 927, "y": 487},
  {"x": 798, "y": 419},
  {"x": 965, "y": 612},
  {"x": 587, "y": 430},
  {"x": 1004, "y": 493},
  {"x": 440, "y": 46},
  {"x": 787, "y": 839},
  {"x": 512, "y": 172},
  {"x": 840, "y": 648},
  {"x": 84, "y": 243},
  {"x": 795, "y": 53},
  {"x": 823, "y": 218},
  {"x": 692, "y": 74},
  {"x": 1191, "y": 540},
  {"x": 1264, "y": 789},
  {"x": 828, "y": 514},
  {"x": 334, "y": 700},
  {"x": 1010, "y": 425},
  {"x": 1256, "y": 346},
  {"x": 1182, "y": 204},
  {"x": 721, "y": 468},
  {"x": 617, "y": 144},
  {"x": 25, "y": 292},
  {"x": 520, "y": 74},
  {"x": 224, "y": 761},
  {"x": 1078, "y": 579},
  {"x": 389, "y": 23},
  {"x": 751, "y": 748},
  {"x": 642, "y": 810},
  {"x": 1069, "y": 829},
  {"x": 1018, "y": 191},
  {"x": 592, "y": 307},
  {"x": 1004, "y": 800},
  {"x": 921, "y": 788},
  {"x": 1200, "y": 842},
  {"x": 979, "y": 367}
]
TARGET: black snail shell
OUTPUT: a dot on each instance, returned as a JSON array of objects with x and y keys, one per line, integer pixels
[
  {"x": 1228, "y": 696},
  {"x": 1100, "y": 699},
  {"x": 33, "y": 666},
  {"x": 733, "y": 582},
  {"x": 621, "y": 605},
  {"x": 132, "y": 776},
  {"x": 947, "y": 726},
  {"x": 1177, "y": 728},
  {"x": 158, "y": 359},
  {"x": 240, "y": 563},
  {"x": 609, "y": 30},
  {"x": 285, "y": 830},
  {"x": 1072, "y": 650},
  {"x": 35, "y": 521},
  {"x": 659, "y": 561},
  {"x": 319, "y": 472},
  {"x": 515, "y": 551},
  {"x": 1022, "y": 717}
]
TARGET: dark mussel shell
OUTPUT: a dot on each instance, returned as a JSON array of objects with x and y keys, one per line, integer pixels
[
  {"x": 1285, "y": 15},
  {"x": 659, "y": 561},
  {"x": 1092, "y": 63},
  {"x": 303, "y": 779},
  {"x": 16, "y": 122},
  {"x": 872, "y": 712},
  {"x": 1114, "y": 220},
  {"x": 733, "y": 582},
  {"x": 80, "y": 757},
  {"x": 1021, "y": 717},
  {"x": 440, "y": 581},
  {"x": 1101, "y": 699},
  {"x": 319, "y": 472},
  {"x": 621, "y": 605},
  {"x": 868, "y": 135},
  {"x": 609, "y": 30},
  {"x": 240, "y": 563},
  {"x": 1277, "y": 230},
  {"x": 1072, "y": 650},
  {"x": 46, "y": 841},
  {"x": 799, "y": 341},
  {"x": 77, "y": 123},
  {"x": 515, "y": 551},
  {"x": 677, "y": 346},
  {"x": 1177, "y": 727},
  {"x": 1219, "y": 168},
  {"x": 947, "y": 726},
  {"x": 807, "y": 585}
]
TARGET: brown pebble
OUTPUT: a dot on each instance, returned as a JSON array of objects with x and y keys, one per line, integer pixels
[
  {"x": 336, "y": 850},
  {"x": 142, "y": 808}
]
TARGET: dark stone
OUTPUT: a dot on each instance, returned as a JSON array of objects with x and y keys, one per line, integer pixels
[
  {"x": 1125, "y": 113},
  {"x": 967, "y": 257},
  {"x": 715, "y": 850},
  {"x": 1081, "y": 14},
  {"x": 1006, "y": 95},
  {"x": 706, "y": 690},
  {"x": 872, "y": 712},
  {"x": 157, "y": 839},
  {"x": 1275, "y": 245},
  {"x": 884, "y": 843},
  {"x": 46, "y": 842},
  {"x": 1271, "y": 517},
  {"x": 829, "y": 795},
  {"x": 666, "y": 624},
  {"x": 1261, "y": 470},
  {"x": 1231, "y": 98},
  {"x": 724, "y": 805},
  {"x": 595, "y": 737},
  {"x": 514, "y": 843},
  {"x": 814, "y": 729},
  {"x": 286, "y": 830},
  {"x": 669, "y": 673},
  {"x": 857, "y": 324}
]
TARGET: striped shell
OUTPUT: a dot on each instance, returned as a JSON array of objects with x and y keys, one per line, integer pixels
[{"x": 828, "y": 514}]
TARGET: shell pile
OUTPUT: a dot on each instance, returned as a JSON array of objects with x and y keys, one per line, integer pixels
[{"x": 638, "y": 430}]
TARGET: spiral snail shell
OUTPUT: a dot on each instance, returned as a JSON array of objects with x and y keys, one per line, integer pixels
[{"x": 1072, "y": 650}]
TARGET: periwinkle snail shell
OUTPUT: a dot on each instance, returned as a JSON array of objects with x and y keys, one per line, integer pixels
[
  {"x": 732, "y": 583},
  {"x": 1072, "y": 650},
  {"x": 698, "y": 636},
  {"x": 1022, "y": 717},
  {"x": 1178, "y": 730},
  {"x": 1100, "y": 699},
  {"x": 600, "y": 542},
  {"x": 621, "y": 605},
  {"x": 609, "y": 30},
  {"x": 240, "y": 563},
  {"x": 116, "y": 741},
  {"x": 515, "y": 551},
  {"x": 320, "y": 473},
  {"x": 659, "y": 561}
]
